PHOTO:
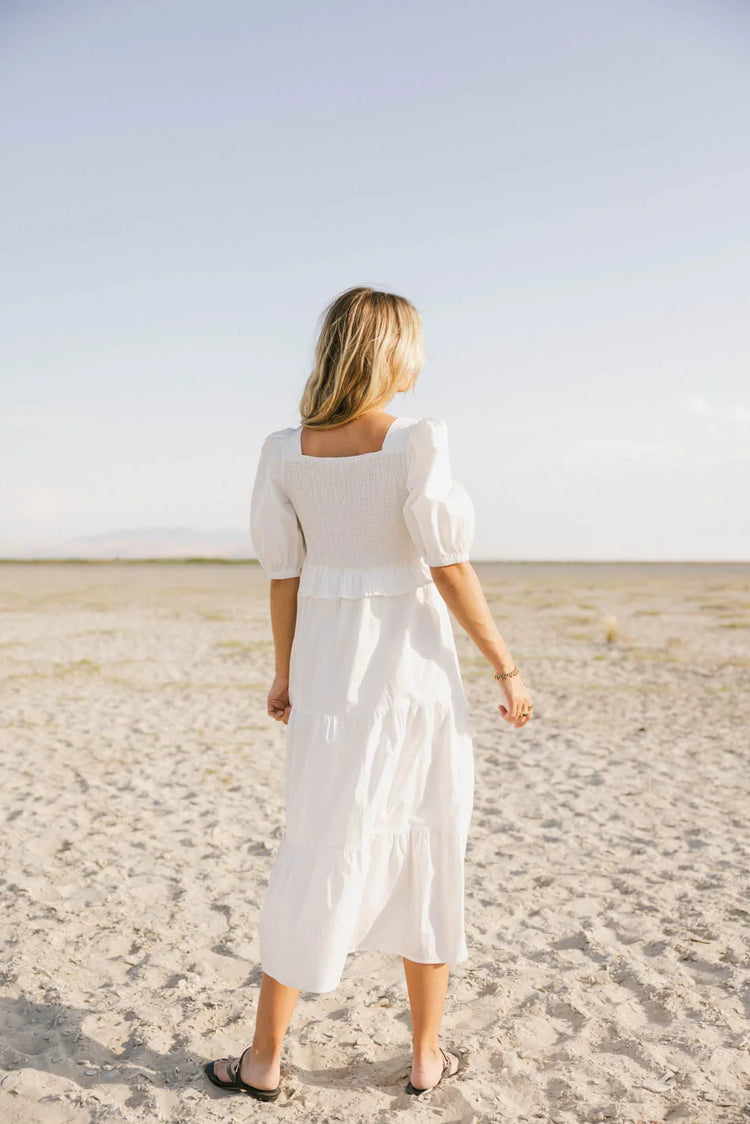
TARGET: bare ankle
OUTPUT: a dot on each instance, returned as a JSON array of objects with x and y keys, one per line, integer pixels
[
  {"x": 424, "y": 1051},
  {"x": 265, "y": 1051}
]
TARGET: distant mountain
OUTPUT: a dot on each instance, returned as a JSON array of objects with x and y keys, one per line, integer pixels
[{"x": 143, "y": 542}]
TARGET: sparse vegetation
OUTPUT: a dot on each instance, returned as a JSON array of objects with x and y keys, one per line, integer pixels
[{"x": 611, "y": 631}]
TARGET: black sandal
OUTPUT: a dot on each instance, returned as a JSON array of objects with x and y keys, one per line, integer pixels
[
  {"x": 447, "y": 1072},
  {"x": 236, "y": 1084}
]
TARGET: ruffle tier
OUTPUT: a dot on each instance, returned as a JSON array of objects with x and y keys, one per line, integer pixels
[
  {"x": 317, "y": 580},
  {"x": 378, "y": 808},
  {"x": 402, "y": 894}
]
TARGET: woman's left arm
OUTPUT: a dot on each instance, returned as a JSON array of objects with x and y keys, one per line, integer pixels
[{"x": 283, "y": 604}]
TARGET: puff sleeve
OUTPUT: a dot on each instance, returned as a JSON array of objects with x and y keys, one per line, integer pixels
[
  {"x": 275, "y": 532},
  {"x": 439, "y": 512}
]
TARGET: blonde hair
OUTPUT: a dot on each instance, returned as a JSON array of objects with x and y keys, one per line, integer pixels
[{"x": 368, "y": 342}]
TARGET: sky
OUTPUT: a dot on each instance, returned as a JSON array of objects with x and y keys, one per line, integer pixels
[{"x": 560, "y": 186}]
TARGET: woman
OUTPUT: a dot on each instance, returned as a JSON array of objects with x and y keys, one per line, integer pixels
[{"x": 365, "y": 537}]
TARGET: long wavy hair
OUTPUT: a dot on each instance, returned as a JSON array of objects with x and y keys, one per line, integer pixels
[{"x": 367, "y": 343}]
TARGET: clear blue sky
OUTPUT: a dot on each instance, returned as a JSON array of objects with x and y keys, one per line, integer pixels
[{"x": 560, "y": 186}]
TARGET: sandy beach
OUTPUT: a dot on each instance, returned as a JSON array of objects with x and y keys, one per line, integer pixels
[{"x": 607, "y": 873}]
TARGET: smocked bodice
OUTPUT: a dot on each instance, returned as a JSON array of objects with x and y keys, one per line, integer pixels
[{"x": 359, "y": 525}]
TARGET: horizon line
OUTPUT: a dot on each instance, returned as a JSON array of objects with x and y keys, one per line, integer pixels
[{"x": 228, "y": 561}]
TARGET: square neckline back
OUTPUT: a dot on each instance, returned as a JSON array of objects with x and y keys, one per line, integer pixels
[{"x": 348, "y": 456}]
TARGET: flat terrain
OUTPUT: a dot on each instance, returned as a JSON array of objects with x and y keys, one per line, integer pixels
[{"x": 608, "y": 901}]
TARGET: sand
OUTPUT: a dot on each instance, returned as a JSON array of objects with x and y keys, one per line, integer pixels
[{"x": 607, "y": 870}]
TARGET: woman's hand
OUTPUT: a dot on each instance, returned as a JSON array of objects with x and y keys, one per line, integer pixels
[
  {"x": 279, "y": 706},
  {"x": 518, "y": 710}
]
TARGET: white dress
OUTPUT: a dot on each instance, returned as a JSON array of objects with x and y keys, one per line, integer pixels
[{"x": 379, "y": 770}]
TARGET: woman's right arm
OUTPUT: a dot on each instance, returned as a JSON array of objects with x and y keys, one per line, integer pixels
[{"x": 460, "y": 588}]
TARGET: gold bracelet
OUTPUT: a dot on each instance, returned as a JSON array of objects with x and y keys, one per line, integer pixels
[{"x": 506, "y": 674}]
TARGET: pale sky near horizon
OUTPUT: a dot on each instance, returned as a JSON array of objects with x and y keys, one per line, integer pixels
[{"x": 560, "y": 187}]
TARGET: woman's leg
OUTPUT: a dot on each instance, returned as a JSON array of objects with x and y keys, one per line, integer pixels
[
  {"x": 262, "y": 1064},
  {"x": 427, "y": 985}
]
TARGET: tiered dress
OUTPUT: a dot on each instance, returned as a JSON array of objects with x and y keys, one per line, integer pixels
[{"x": 379, "y": 770}]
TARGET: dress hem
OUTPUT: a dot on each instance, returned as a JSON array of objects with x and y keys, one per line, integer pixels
[{"x": 322, "y": 990}]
